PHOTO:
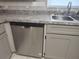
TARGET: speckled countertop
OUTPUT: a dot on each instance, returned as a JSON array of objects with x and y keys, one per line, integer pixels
[
  {"x": 44, "y": 19},
  {"x": 31, "y": 17}
]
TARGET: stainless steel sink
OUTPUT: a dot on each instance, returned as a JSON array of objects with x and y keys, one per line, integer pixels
[
  {"x": 61, "y": 18},
  {"x": 76, "y": 17},
  {"x": 67, "y": 18},
  {"x": 55, "y": 17}
]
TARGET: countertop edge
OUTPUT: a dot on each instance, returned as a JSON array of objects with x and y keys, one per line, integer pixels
[{"x": 46, "y": 22}]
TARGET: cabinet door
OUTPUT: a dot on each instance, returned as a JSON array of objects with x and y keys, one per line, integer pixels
[
  {"x": 5, "y": 51},
  {"x": 28, "y": 40},
  {"x": 62, "y": 46},
  {"x": 73, "y": 52},
  {"x": 57, "y": 46}
]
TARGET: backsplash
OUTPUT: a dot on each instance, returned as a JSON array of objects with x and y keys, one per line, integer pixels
[
  {"x": 23, "y": 12},
  {"x": 31, "y": 8}
]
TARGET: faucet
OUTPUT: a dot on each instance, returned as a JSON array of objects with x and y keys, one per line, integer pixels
[{"x": 69, "y": 7}]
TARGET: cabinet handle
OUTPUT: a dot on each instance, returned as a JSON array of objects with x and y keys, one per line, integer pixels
[
  {"x": 45, "y": 37},
  {"x": 44, "y": 54}
]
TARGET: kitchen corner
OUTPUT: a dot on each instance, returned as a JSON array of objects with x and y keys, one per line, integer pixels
[{"x": 33, "y": 31}]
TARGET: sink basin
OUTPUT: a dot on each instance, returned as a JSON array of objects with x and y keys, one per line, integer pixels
[
  {"x": 61, "y": 18},
  {"x": 55, "y": 17},
  {"x": 76, "y": 17},
  {"x": 67, "y": 18}
]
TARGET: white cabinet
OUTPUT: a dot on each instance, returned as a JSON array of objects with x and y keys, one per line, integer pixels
[
  {"x": 5, "y": 52},
  {"x": 73, "y": 52},
  {"x": 2, "y": 29},
  {"x": 62, "y": 42},
  {"x": 57, "y": 46}
]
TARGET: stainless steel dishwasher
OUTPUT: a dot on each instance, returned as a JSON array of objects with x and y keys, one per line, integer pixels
[{"x": 28, "y": 38}]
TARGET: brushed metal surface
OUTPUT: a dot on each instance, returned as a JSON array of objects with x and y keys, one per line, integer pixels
[{"x": 28, "y": 40}]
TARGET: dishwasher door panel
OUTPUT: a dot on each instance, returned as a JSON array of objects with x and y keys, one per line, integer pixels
[{"x": 28, "y": 40}]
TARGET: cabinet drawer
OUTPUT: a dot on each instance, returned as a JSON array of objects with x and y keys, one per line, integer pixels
[
  {"x": 61, "y": 29},
  {"x": 2, "y": 29}
]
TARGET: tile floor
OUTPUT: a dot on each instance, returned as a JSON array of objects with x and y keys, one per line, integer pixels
[{"x": 14, "y": 56}]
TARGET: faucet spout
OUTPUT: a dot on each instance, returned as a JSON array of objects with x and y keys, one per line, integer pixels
[{"x": 69, "y": 7}]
